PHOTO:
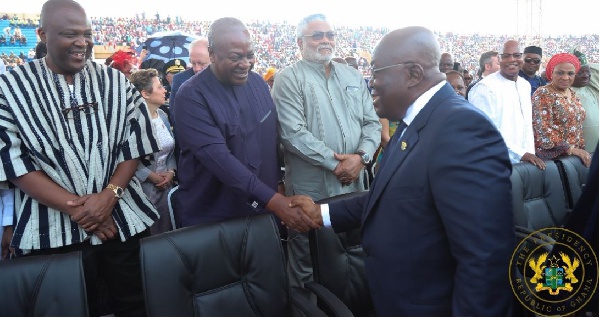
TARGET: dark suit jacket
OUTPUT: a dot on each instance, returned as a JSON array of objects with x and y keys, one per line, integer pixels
[
  {"x": 178, "y": 80},
  {"x": 437, "y": 223}
]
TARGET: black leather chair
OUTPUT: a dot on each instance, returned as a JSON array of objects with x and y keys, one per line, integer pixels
[
  {"x": 339, "y": 267},
  {"x": 574, "y": 176},
  {"x": 539, "y": 199},
  {"x": 43, "y": 286},
  {"x": 232, "y": 268}
]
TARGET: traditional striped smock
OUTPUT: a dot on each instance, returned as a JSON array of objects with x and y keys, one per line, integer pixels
[{"x": 79, "y": 151}]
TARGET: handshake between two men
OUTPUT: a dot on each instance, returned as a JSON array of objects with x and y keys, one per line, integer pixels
[{"x": 299, "y": 213}]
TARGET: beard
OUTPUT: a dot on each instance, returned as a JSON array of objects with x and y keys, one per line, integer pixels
[{"x": 314, "y": 56}]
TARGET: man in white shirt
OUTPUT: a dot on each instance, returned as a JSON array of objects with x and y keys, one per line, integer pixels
[{"x": 506, "y": 99}]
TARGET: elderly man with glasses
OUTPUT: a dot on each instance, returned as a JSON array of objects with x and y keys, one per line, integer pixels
[
  {"x": 506, "y": 99},
  {"x": 327, "y": 125},
  {"x": 532, "y": 60}
]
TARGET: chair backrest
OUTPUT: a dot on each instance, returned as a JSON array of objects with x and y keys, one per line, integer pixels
[
  {"x": 232, "y": 268},
  {"x": 338, "y": 265},
  {"x": 43, "y": 286},
  {"x": 574, "y": 176},
  {"x": 539, "y": 200}
]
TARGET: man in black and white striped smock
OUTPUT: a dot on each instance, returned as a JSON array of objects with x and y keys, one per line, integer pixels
[{"x": 71, "y": 133}]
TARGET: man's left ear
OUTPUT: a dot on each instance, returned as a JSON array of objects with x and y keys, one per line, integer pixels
[{"x": 416, "y": 73}]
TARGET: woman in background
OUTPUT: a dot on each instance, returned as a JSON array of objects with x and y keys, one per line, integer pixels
[
  {"x": 156, "y": 172},
  {"x": 557, "y": 112}
]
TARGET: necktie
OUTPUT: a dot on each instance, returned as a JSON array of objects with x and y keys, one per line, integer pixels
[{"x": 393, "y": 143}]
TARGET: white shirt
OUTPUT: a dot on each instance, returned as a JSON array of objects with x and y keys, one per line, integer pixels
[
  {"x": 410, "y": 115},
  {"x": 508, "y": 104}
]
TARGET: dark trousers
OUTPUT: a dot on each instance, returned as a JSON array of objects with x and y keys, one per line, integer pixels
[{"x": 118, "y": 263}]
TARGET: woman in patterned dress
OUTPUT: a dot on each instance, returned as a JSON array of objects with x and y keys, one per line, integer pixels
[{"x": 557, "y": 112}]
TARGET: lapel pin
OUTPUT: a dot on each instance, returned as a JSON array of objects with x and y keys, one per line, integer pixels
[{"x": 403, "y": 145}]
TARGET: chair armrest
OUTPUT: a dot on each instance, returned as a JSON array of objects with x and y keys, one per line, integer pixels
[
  {"x": 303, "y": 307},
  {"x": 327, "y": 301}
]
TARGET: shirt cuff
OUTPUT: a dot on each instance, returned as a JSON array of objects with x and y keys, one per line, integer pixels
[
  {"x": 325, "y": 215},
  {"x": 260, "y": 197},
  {"x": 7, "y": 220}
]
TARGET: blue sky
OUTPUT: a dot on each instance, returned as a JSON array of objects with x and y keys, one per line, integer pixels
[{"x": 464, "y": 16}]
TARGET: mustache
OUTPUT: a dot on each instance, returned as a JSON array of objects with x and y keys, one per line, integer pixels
[{"x": 325, "y": 46}]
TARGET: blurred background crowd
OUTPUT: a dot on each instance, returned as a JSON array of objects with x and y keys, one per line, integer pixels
[{"x": 276, "y": 45}]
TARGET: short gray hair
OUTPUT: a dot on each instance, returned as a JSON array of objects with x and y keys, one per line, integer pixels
[{"x": 303, "y": 25}]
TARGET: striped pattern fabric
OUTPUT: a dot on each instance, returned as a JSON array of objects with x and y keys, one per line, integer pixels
[{"x": 79, "y": 152}]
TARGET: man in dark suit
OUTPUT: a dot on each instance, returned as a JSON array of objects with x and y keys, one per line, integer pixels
[
  {"x": 437, "y": 224},
  {"x": 199, "y": 60}
]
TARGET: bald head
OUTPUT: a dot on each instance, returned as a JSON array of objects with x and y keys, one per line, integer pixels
[
  {"x": 199, "y": 58},
  {"x": 51, "y": 7},
  {"x": 415, "y": 44},
  {"x": 405, "y": 64},
  {"x": 511, "y": 60},
  {"x": 220, "y": 28},
  {"x": 231, "y": 51},
  {"x": 67, "y": 33}
]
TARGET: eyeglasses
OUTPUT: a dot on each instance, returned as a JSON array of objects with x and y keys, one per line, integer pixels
[
  {"x": 87, "y": 108},
  {"x": 388, "y": 67},
  {"x": 516, "y": 55},
  {"x": 319, "y": 35},
  {"x": 534, "y": 60}
]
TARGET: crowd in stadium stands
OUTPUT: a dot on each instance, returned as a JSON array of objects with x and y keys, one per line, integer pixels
[{"x": 276, "y": 43}]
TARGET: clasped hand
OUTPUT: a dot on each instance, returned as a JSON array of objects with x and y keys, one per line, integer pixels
[
  {"x": 93, "y": 212},
  {"x": 161, "y": 180},
  {"x": 348, "y": 169},
  {"x": 297, "y": 212}
]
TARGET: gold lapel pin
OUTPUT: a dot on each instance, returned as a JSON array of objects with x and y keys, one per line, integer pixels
[{"x": 403, "y": 145}]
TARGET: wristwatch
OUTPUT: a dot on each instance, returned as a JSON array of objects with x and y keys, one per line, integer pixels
[
  {"x": 365, "y": 158},
  {"x": 116, "y": 189}
]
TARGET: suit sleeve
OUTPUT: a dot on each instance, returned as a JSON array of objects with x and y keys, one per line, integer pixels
[
  {"x": 470, "y": 181},
  {"x": 346, "y": 214}
]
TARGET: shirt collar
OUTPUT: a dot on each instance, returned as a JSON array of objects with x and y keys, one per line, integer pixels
[{"x": 419, "y": 104}]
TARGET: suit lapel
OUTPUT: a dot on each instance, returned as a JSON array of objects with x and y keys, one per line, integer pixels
[
  {"x": 406, "y": 144},
  {"x": 398, "y": 155}
]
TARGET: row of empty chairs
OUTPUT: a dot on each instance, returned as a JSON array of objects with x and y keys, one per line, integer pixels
[{"x": 237, "y": 267}]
